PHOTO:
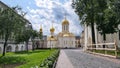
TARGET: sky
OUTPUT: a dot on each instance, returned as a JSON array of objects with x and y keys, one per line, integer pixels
[{"x": 46, "y": 12}]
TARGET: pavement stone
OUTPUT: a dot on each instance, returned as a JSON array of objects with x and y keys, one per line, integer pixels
[
  {"x": 63, "y": 61},
  {"x": 80, "y": 59}
]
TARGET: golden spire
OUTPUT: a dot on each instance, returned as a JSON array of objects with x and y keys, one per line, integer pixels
[
  {"x": 40, "y": 28},
  {"x": 65, "y": 21},
  {"x": 65, "y": 16},
  {"x": 52, "y": 28},
  {"x": 52, "y": 24}
]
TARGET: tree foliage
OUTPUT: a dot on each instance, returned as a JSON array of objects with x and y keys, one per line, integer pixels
[
  {"x": 86, "y": 12},
  {"x": 105, "y": 13},
  {"x": 10, "y": 24}
]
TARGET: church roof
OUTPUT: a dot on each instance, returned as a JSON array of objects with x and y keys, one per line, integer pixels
[
  {"x": 66, "y": 34},
  {"x": 65, "y": 22},
  {"x": 52, "y": 29},
  {"x": 51, "y": 38}
]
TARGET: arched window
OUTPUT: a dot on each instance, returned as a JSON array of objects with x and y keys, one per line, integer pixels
[
  {"x": 64, "y": 28},
  {"x": 16, "y": 48},
  {"x": 9, "y": 49},
  {"x": 21, "y": 48}
]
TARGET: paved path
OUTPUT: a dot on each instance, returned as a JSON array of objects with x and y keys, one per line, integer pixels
[
  {"x": 71, "y": 58},
  {"x": 63, "y": 61}
]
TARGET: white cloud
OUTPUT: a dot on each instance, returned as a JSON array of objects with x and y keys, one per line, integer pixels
[{"x": 53, "y": 10}]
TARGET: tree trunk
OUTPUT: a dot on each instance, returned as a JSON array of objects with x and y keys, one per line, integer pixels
[
  {"x": 32, "y": 45},
  {"x": 92, "y": 22},
  {"x": 27, "y": 45},
  {"x": 5, "y": 44},
  {"x": 93, "y": 33},
  {"x": 104, "y": 38}
]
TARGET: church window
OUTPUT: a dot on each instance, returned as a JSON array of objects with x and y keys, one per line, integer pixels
[
  {"x": 72, "y": 42},
  {"x": 64, "y": 27}
]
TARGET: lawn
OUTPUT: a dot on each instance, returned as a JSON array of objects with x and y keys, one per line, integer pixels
[{"x": 25, "y": 59}]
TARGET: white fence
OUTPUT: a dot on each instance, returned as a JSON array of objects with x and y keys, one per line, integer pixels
[{"x": 105, "y": 47}]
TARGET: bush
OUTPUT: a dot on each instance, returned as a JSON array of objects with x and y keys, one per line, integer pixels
[
  {"x": 9, "y": 60},
  {"x": 49, "y": 62}
]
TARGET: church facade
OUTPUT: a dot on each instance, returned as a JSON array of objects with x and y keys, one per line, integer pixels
[{"x": 64, "y": 39}]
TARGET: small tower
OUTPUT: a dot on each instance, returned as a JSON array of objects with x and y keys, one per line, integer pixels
[
  {"x": 52, "y": 29},
  {"x": 40, "y": 32},
  {"x": 65, "y": 25},
  {"x": 40, "y": 28}
]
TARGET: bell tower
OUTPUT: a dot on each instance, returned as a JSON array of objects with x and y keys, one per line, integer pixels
[
  {"x": 52, "y": 29},
  {"x": 65, "y": 25}
]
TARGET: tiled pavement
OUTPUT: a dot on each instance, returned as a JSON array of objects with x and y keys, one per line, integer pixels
[
  {"x": 72, "y": 58},
  {"x": 63, "y": 61}
]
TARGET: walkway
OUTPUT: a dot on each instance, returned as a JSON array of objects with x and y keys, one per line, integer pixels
[
  {"x": 63, "y": 61},
  {"x": 72, "y": 58}
]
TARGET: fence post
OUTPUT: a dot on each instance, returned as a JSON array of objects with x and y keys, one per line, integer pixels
[
  {"x": 105, "y": 49},
  {"x": 115, "y": 49}
]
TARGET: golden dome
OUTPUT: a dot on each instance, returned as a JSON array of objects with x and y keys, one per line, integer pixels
[
  {"x": 52, "y": 29},
  {"x": 40, "y": 28},
  {"x": 51, "y": 38},
  {"x": 65, "y": 22}
]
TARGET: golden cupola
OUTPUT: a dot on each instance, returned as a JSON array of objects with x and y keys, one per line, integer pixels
[
  {"x": 65, "y": 22},
  {"x": 41, "y": 28},
  {"x": 52, "y": 29}
]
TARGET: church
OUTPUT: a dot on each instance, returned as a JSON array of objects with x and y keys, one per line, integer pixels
[{"x": 64, "y": 39}]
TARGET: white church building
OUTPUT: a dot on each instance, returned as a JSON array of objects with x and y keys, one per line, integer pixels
[{"x": 64, "y": 39}]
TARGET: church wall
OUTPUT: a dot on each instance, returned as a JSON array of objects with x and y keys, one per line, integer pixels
[
  {"x": 1, "y": 48},
  {"x": 21, "y": 47},
  {"x": 60, "y": 40},
  {"x": 52, "y": 44},
  {"x": 67, "y": 42},
  {"x": 110, "y": 38}
]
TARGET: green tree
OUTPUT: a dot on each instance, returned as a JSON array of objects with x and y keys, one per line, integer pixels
[
  {"x": 40, "y": 35},
  {"x": 101, "y": 12},
  {"x": 34, "y": 34},
  {"x": 101, "y": 6},
  {"x": 10, "y": 23},
  {"x": 24, "y": 36},
  {"x": 86, "y": 12},
  {"x": 107, "y": 21}
]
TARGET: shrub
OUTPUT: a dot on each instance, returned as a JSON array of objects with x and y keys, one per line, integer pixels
[
  {"x": 9, "y": 60},
  {"x": 49, "y": 62}
]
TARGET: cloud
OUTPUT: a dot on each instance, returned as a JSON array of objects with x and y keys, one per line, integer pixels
[{"x": 53, "y": 10}]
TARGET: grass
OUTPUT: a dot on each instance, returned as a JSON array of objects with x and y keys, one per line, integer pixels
[
  {"x": 26, "y": 59},
  {"x": 109, "y": 52}
]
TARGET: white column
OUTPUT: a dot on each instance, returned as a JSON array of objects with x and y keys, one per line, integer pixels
[
  {"x": 85, "y": 36},
  {"x": 96, "y": 34}
]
